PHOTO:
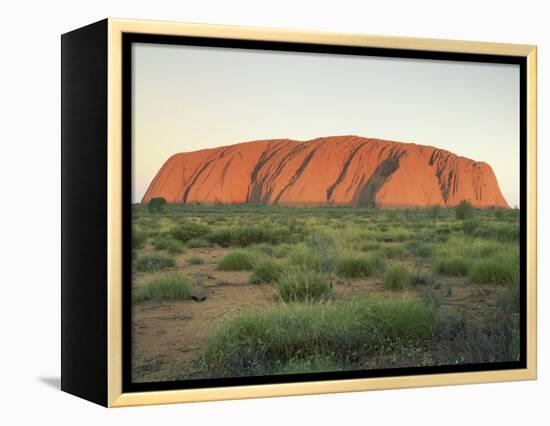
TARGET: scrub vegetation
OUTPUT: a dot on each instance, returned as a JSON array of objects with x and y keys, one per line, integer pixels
[{"x": 226, "y": 291}]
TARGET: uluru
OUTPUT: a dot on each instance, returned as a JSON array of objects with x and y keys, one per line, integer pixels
[{"x": 335, "y": 170}]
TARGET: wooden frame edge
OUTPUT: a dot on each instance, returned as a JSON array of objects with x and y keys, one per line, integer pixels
[
  {"x": 116, "y": 398},
  {"x": 114, "y": 214}
]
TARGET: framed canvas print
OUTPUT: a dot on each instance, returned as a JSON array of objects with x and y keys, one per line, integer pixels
[{"x": 251, "y": 212}]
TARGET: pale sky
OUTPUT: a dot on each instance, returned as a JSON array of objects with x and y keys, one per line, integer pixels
[{"x": 189, "y": 98}]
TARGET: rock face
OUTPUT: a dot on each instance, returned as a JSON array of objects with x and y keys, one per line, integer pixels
[{"x": 337, "y": 170}]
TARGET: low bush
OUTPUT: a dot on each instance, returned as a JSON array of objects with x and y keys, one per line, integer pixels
[
  {"x": 297, "y": 284},
  {"x": 153, "y": 263},
  {"x": 430, "y": 297},
  {"x": 316, "y": 256},
  {"x": 281, "y": 250},
  {"x": 369, "y": 246},
  {"x": 139, "y": 238},
  {"x": 464, "y": 210},
  {"x": 394, "y": 252},
  {"x": 393, "y": 236},
  {"x": 265, "y": 271},
  {"x": 189, "y": 230},
  {"x": 454, "y": 266},
  {"x": 163, "y": 242},
  {"x": 237, "y": 261},
  {"x": 196, "y": 260},
  {"x": 358, "y": 266},
  {"x": 397, "y": 277},
  {"x": 424, "y": 250},
  {"x": 501, "y": 269},
  {"x": 471, "y": 226},
  {"x": 169, "y": 288},
  {"x": 493, "y": 336},
  {"x": 269, "y": 341},
  {"x": 500, "y": 231},
  {"x": 244, "y": 236}
]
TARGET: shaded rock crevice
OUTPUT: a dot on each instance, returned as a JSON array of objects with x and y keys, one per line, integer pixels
[{"x": 366, "y": 193}]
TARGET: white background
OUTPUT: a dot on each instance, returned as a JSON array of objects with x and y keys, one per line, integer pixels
[{"x": 30, "y": 228}]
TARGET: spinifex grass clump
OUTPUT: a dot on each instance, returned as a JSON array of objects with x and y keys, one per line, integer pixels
[
  {"x": 420, "y": 249},
  {"x": 165, "y": 242},
  {"x": 189, "y": 230},
  {"x": 281, "y": 250},
  {"x": 299, "y": 284},
  {"x": 247, "y": 235},
  {"x": 500, "y": 269},
  {"x": 391, "y": 236},
  {"x": 394, "y": 252},
  {"x": 237, "y": 261},
  {"x": 358, "y": 266},
  {"x": 153, "y": 263},
  {"x": 169, "y": 288},
  {"x": 397, "y": 277},
  {"x": 369, "y": 246},
  {"x": 265, "y": 271},
  {"x": 195, "y": 260},
  {"x": 454, "y": 266},
  {"x": 265, "y": 342},
  {"x": 464, "y": 210},
  {"x": 139, "y": 237}
]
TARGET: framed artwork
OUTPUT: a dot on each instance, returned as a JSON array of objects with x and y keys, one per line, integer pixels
[{"x": 254, "y": 212}]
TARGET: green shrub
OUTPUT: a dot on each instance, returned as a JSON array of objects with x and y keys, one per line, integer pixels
[
  {"x": 424, "y": 250},
  {"x": 464, "y": 210},
  {"x": 189, "y": 230},
  {"x": 263, "y": 248},
  {"x": 454, "y": 266},
  {"x": 139, "y": 238},
  {"x": 244, "y": 236},
  {"x": 491, "y": 336},
  {"x": 358, "y": 266},
  {"x": 434, "y": 212},
  {"x": 471, "y": 226},
  {"x": 319, "y": 257},
  {"x": 236, "y": 261},
  {"x": 499, "y": 270},
  {"x": 369, "y": 246},
  {"x": 430, "y": 297},
  {"x": 153, "y": 263},
  {"x": 281, "y": 250},
  {"x": 314, "y": 364},
  {"x": 397, "y": 278},
  {"x": 394, "y": 252},
  {"x": 163, "y": 242},
  {"x": 156, "y": 205},
  {"x": 265, "y": 271},
  {"x": 195, "y": 260},
  {"x": 222, "y": 237},
  {"x": 394, "y": 236},
  {"x": 500, "y": 231},
  {"x": 198, "y": 243},
  {"x": 297, "y": 284},
  {"x": 169, "y": 288},
  {"x": 271, "y": 340}
]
